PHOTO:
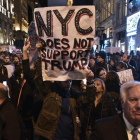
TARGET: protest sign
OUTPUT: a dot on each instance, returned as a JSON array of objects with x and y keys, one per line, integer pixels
[
  {"x": 33, "y": 38},
  {"x": 126, "y": 76},
  {"x": 112, "y": 49},
  {"x": 10, "y": 70},
  {"x": 67, "y": 34}
]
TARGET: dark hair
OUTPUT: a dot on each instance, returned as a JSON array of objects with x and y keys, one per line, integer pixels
[
  {"x": 99, "y": 70},
  {"x": 3, "y": 93},
  {"x": 91, "y": 57},
  {"x": 129, "y": 57},
  {"x": 122, "y": 65},
  {"x": 16, "y": 56},
  {"x": 112, "y": 76},
  {"x": 6, "y": 56}
]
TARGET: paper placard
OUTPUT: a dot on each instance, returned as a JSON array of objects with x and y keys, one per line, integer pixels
[
  {"x": 67, "y": 34},
  {"x": 126, "y": 76}
]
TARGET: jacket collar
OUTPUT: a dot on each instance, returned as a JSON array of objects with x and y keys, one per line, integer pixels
[{"x": 119, "y": 128}]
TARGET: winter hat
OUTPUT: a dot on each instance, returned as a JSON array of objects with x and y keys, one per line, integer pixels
[{"x": 102, "y": 54}]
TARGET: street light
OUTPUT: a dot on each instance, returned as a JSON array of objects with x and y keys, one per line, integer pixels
[{"x": 69, "y": 2}]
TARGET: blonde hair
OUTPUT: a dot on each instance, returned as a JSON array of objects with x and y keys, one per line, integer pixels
[{"x": 103, "y": 84}]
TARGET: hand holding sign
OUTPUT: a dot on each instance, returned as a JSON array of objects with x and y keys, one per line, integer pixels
[
  {"x": 26, "y": 46},
  {"x": 90, "y": 76}
]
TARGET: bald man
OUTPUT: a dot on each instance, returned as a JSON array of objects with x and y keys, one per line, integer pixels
[{"x": 12, "y": 128}]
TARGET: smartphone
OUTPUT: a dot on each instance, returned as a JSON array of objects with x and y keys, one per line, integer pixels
[{"x": 5, "y": 83}]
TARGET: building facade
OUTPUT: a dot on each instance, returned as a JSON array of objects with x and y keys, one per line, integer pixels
[
  {"x": 105, "y": 19},
  {"x": 6, "y": 22},
  {"x": 121, "y": 11},
  {"x": 133, "y": 27},
  {"x": 121, "y": 21},
  {"x": 21, "y": 20}
]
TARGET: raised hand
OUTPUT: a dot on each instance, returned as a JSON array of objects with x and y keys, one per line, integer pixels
[{"x": 26, "y": 46}]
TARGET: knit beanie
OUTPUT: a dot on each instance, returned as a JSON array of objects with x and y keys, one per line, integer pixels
[{"x": 102, "y": 54}]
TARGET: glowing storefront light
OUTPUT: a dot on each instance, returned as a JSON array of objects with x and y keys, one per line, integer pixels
[
  {"x": 131, "y": 45},
  {"x": 132, "y": 22},
  {"x": 132, "y": 25}
]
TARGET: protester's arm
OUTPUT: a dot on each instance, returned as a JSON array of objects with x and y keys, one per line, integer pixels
[
  {"x": 90, "y": 91},
  {"x": 28, "y": 75},
  {"x": 25, "y": 48}
]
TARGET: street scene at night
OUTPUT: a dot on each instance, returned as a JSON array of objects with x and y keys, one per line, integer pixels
[{"x": 69, "y": 69}]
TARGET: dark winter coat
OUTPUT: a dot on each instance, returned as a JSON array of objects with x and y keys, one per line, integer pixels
[
  {"x": 12, "y": 129},
  {"x": 105, "y": 108},
  {"x": 113, "y": 89}
]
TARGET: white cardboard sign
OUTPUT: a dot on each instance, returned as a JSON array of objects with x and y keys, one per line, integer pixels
[
  {"x": 67, "y": 34},
  {"x": 126, "y": 76}
]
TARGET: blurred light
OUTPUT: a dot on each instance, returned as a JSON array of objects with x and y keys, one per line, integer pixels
[
  {"x": 36, "y": 3},
  {"x": 17, "y": 28},
  {"x": 132, "y": 33}
]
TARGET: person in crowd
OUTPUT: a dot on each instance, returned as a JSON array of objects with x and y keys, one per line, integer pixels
[
  {"x": 103, "y": 105},
  {"x": 129, "y": 60},
  {"x": 125, "y": 126},
  {"x": 58, "y": 118},
  {"x": 121, "y": 66},
  {"x": 137, "y": 59},
  {"x": 25, "y": 106},
  {"x": 18, "y": 69},
  {"x": 1, "y": 58},
  {"x": 138, "y": 53},
  {"x": 126, "y": 59},
  {"x": 112, "y": 60},
  {"x": 126, "y": 52},
  {"x": 13, "y": 87},
  {"x": 132, "y": 54},
  {"x": 101, "y": 73},
  {"x": 101, "y": 57},
  {"x": 7, "y": 67},
  {"x": 12, "y": 128},
  {"x": 112, "y": 83},
  {"x": 92, "y": 62},
  {"x": 6, "y": 60},
  {"x": 118, "y": 56}
]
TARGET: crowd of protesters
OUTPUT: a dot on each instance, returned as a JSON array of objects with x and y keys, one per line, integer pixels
[{"x": 31, "y": 108}]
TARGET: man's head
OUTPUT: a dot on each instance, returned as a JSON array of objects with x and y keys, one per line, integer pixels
[
  {"x": 16, "y": 59},
  {"x": 119, "y": 56},
  {"x": 126, "y": 58},
  {"x": 130, "y": 99},
  {"x": 3, "y": 93},
  {"x": 65, "y": 85},
  {"x": 92, "y": 61},
  {"x": 101, "y": 56},
  {"x": 126, "y": 52},
  {"x": 6, "y": 59}
]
